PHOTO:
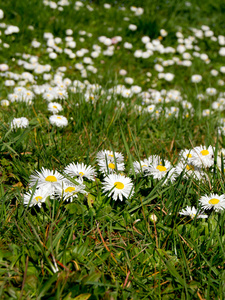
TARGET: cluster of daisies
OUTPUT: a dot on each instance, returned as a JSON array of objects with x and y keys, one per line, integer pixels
[
  {"x": 68, "y": 184},
  {"x": 165, "y": 63},
  {"x": 86, "y": 61},
  {"x": 163, "y": 103}
]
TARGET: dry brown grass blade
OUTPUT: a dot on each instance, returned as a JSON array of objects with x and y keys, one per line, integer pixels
[{"x": 104, "y": 243}]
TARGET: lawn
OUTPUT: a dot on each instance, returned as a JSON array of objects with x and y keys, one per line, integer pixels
[{"x": 112, "y": 149}]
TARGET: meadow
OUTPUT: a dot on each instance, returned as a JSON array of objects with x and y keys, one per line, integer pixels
[{"x": 112, "y": 149}]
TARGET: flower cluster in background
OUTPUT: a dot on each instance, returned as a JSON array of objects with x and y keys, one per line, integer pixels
[{"x": 159, "y": 63}]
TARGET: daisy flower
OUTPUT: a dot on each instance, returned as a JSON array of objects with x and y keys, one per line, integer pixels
[
  {"x": 27, "y": 96},
  {"x": 140, "y": 167},
  {"x": 118, "y": 186},
  {"x": 202, "y": 156},
  {"x": 153, "y": 159},
  {"x": 49, "y": 96},
  {"x": 48, "y": 179},
  {"x": 213, "y": 201},
  {"x": 192, "y": 212},
  {"x": 19, "y": 123},
  {"x": 5, "y": 102},
  {"x": 80, "y": 171},
  {"x": 196, "y": 78},
  {"x": 171, "y": 177},
  {"x": 54, "y": 107},
  {"x": 109, "y": 167},
  {"x": 61, "y": 94},
  {"x": 109, "y": 156},
  {"x": 38, "y": 197},
  {"x": 59, "y": 121},
  {"x": 206, "y": 112},
  {"x": 150, "y": 108},
  {"x": 186, "y": 154},
  {"x": 189, "y": 170},
  {"x": 211, "y": 91},
  {"x": 69, "y": 190},
  {"x": 157, "y": 170}
]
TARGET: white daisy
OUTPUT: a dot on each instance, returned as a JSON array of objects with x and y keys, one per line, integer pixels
[
  {"x": 140, "y": 167},
  {"x": 171, "y": 177},
  {"x": 59, "y": 121},
  {"x": 48, "y": 179},
  {"x": 150, "y": 108},
  {"x": 19, "y": 123},
  {"x": 69, "y": 190},
  {"x": 192, "y": 212},
  {"x": 213, "y": 201},
  {"x": 196, "y": 78},
  {"x": 108, "y": 167},
  {"x": 5, "y": 102},
  {"x": 202, "y": 156},
  {"x": 80, "y": 171},
  {"x": 153, "y": 159},
  {"x": 49, "y": 96},
  {"x": 61, "y": 93},
  {"x": 211, "y": 91},
  {"x": 118, "y": 186},
  {"x": 27, "y": 96},
  {"x": 109, "y": 156},
  {"x": 54, "y": 107},
  {"x": 39, "y": 196},
  {"x": 158, "y": 170},
  {"x": 186, "y": 154},
  {"x": 190, "y": 171}
]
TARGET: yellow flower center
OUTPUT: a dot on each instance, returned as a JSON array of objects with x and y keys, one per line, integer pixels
[
  {"x": 111, "y": 166},
  {"x": 144, "y": 166},
  {"x": 38, "y": 198},
  {"x": 70, "y": 189},
  {"x": 214, "y": 201},
  {"x": 51, "y": 178},
  {"x": 161, "y": 168},
  {"x": 59, "y": 118},
  {"x": 110, "y": 155},
  {"x": 189, "y": 155},
  {"x": 119, "y": 185},
  {"x": 54, "y": 106},
  {"x": 204, "y": 152},
  {"x": 190, "y": 167},
  {"x": 81, "y": 173}
]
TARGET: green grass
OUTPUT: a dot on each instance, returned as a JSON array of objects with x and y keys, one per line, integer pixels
[{"x": 95, "y": 247}]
